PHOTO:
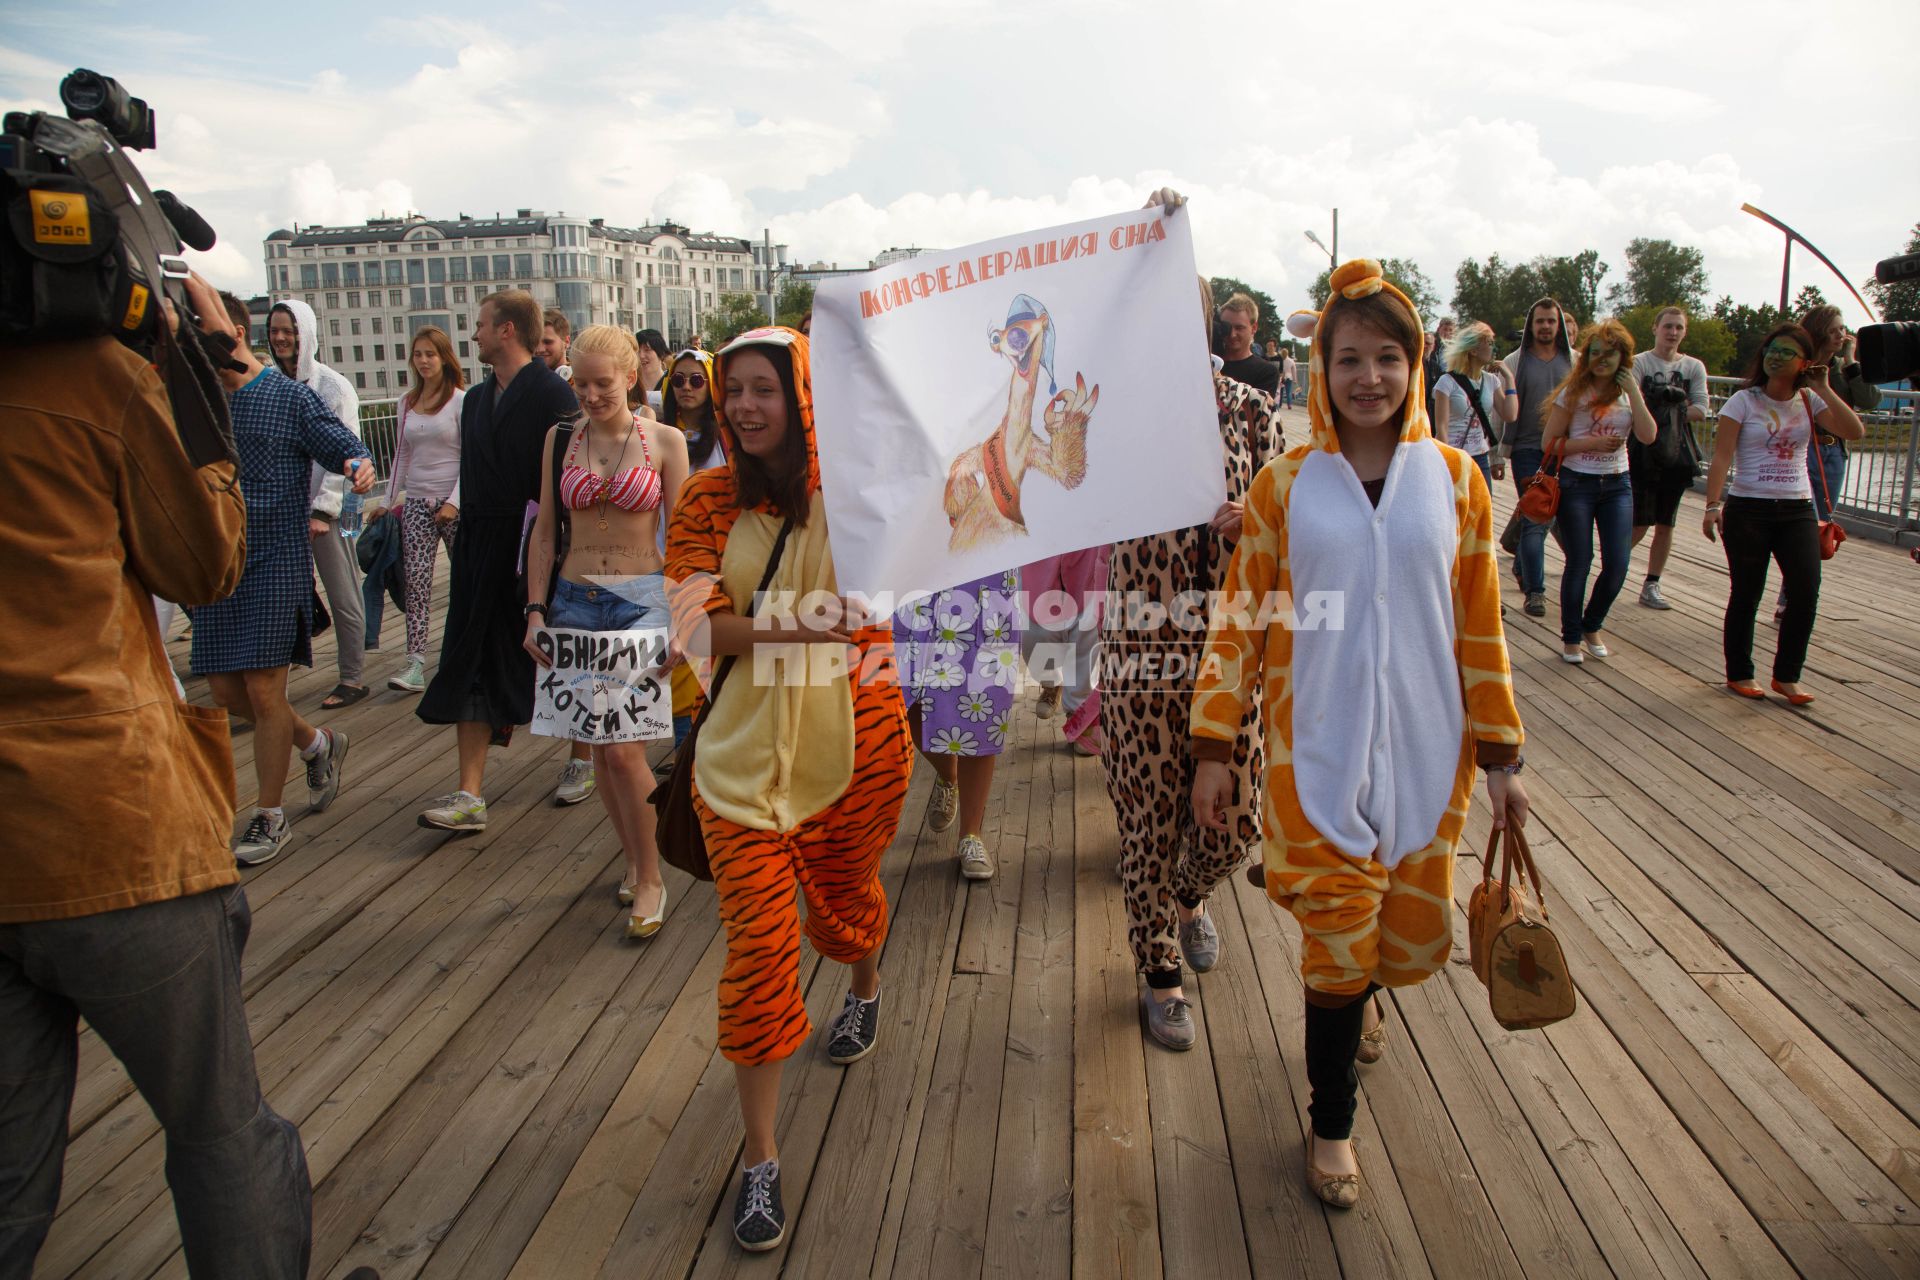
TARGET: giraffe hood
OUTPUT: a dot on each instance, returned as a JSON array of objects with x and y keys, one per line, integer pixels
[{"x": 1357, "y": 279}]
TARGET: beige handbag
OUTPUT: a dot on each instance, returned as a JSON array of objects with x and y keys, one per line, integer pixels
[{"x": 1514, "y": 951}]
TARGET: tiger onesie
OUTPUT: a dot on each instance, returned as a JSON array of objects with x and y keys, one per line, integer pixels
[{"x": 797, "y": 782}]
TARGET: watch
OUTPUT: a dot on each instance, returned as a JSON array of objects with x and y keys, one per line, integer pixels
[
  {"x": 535, "y": 607},
  {"x": 1519, "y": 763}
]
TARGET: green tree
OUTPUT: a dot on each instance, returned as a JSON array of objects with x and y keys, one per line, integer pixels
[
  {"x": 1807, "y": 299},
  {"x": 796, "y": 300},
  {"x": 1749, "y": 326},
  {"x": 738, "y": 313},
  {"x": 1269, "y": 328},
  {"x": 1661, "y": 273},
  {"x": 1497, "y": 293},
  {"x": 1898, "y": 301},
  {"x": 1708, "y": 338},
  {"x": 1403, "y": 273},
  {"x": 1575, "y": 281}
]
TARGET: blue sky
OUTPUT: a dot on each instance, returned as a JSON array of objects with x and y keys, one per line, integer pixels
[{"x": 850, "y": 127}]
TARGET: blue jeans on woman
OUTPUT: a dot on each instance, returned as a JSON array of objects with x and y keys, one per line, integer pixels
[
  {"x": 1833, "y": 460},
  {"x": 1586, "y": 502},
  {"x": 1531, "y": 562}
]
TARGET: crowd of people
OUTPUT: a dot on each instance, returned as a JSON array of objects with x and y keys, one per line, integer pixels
[{"x": 598, "y": 481}]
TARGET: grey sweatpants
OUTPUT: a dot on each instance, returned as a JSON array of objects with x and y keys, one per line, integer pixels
[{"x": 340, "y": 578}]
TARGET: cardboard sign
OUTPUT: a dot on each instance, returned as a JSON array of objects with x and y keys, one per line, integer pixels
[{"x": 603, "y": 686}]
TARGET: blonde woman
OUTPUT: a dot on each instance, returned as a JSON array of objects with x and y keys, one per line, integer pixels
[
  {"x": 1475, "y": 399},
  {"x": 596, "y": 565}
]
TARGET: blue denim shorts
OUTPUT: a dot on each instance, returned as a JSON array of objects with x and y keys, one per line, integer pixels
[{"x": 628, "y": 604}]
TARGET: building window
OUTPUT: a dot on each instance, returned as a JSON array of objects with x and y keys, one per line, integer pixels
[
  {"x": 480, "y": 269},
  {"x": 502, "y": 266},
  {"x": 309, "y": 276},
  {"x": 523, "y": 264},
  {"x": 437, "y": 271},
  {"x": 396, "y": 273},
  {"x": 463, "y": 345},
  {"x": 333, "y": 302},
  {"x": 353, "y": 301},
  {"x": 358, "y": 353},
  {"x": 333, "y": 328},
  {"x": 416, "y": 271},
  {"x": 456, "y": 268},
  {"x": 283, "y": 278},
  {"x": 350, "y": 274},
  {"x": 709, "y": 271},
  {"x": 393, "y": 297},
  {"x": 353, "y": 327},
  {"x": 459, "y": 293},
  {"x": 336, "y": 356},
  {"x": 419, "y": 301},
  {"x": 360, "y": 381},
  {"x": 379, "y": 351},
  {"x": 460, "y": 321},
  {"x": 376, "y": 326},
  {"x": 438, "y": 293},
  {"x": 380, "y": 379}
]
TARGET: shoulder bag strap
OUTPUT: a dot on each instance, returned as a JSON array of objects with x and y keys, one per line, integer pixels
[
  {"x": 1813, "y": 450},
  {"x": 562, "y": 522},
  {"x": 766, "y": 576},
  {"x": 1474, "y": 406}
]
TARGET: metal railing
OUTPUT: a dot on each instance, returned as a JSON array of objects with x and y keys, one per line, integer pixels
[{"x": 1879, "y": 487}]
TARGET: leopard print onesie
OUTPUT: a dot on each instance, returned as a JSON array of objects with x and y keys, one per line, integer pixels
[{"x": 1164, "y": 853}]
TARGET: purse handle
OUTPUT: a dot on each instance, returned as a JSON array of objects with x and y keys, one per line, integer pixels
[
  {"x": 1813, "y": 456},
  {"x": 726, "y": 665},
  {"x": 1513, "y": 851}
]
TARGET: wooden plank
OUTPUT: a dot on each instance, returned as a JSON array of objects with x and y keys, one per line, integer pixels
[
  {"x": 1116, "y": 1227},
  {"x": 993, "y": 907},
  {"x": 1029, "y": 1222}
]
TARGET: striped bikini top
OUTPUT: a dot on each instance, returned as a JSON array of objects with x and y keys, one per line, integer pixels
[{"x": 635, "y": 489}]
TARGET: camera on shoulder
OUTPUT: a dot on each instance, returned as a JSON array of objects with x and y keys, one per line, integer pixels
[{"x": 89, "y": 249}]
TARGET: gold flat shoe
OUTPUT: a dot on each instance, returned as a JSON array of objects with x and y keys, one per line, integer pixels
[
  {"x": 624, "y": 894},
  {"x": 640, "y": 927},
  {"x": 1337, "y": 1190},
  {"x": 1373, "y": 1044}
]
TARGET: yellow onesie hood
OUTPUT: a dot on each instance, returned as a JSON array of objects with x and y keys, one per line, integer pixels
[{"x": 1354, "y": 280}]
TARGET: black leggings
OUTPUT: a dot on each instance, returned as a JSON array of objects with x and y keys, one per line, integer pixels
[
  {"x": 1333, "y": 1038},
  {"x": 1783, "y": 530}
]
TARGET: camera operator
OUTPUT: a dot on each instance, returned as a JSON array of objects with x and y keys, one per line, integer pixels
[
  {"x": 1675, "y": 389},
  {"x": 118, "y": 894},
  {"x": 1836, "y": 351}
]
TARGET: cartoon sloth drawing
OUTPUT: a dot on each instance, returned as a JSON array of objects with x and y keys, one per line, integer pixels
[{"x": 984, "y": 482}]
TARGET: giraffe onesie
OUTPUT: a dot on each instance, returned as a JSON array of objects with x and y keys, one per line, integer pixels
[
  {"x": 798, "y": 782},
  {"x": 1379, "y": 705}
]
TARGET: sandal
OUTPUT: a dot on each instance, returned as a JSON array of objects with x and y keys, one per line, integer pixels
[
  {"x": 1373, "y": 1044},
  {"x": 1336, "y": 1190},
  {"x": 344, "y": 695}
]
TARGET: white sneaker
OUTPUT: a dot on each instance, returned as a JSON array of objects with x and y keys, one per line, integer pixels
[
  {"x": 943, "y": 802},
  {"x": 461, "y": 811},
  {"x": 413, "y": 679},
  {"x": 975, "y": 862},
  {"x": 576, "y": 782},
  {"x": 1650, "y": 596},
  {"x": 263, "y": 839}
]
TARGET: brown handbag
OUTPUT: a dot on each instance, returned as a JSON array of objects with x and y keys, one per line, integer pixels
[
  {"x": 677, "y": 825},
  {"x": 1514, "y": 952},
  {"x": 1540, "y": 497}
]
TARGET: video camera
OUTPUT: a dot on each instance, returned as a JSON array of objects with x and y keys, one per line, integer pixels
[
  {"x": 1891, "y": 351},
  {"x": 89, "y": 249}
]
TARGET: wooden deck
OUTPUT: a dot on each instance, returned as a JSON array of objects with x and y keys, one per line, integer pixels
[{"x": 492, "y": 1083}]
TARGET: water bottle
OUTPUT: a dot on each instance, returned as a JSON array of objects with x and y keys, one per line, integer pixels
[{"x": 350, "y": 515}]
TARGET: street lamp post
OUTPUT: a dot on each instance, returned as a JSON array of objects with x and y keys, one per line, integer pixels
[{"x": 1333, "y": 254}]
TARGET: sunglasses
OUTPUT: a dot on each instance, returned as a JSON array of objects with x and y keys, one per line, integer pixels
[{"x": 694, "y": 380}]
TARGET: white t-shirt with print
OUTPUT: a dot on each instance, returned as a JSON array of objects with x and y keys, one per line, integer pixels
[
  {"x": 1771, "y": 459},
  {"x": 1615, "y": 419},
  {"x": 1463, "y": 429}
]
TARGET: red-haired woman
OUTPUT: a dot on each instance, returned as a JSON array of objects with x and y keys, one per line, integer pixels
[
  {"x": 1592, "y": 411},
  {"x": 1763, "y": 435},
  {"x": 424, "y": 486}
]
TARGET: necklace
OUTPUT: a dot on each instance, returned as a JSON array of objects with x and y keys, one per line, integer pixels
[{"x": 606, "y": 481}]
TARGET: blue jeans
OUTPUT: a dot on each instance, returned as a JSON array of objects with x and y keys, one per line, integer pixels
[
  {"x": 161, "y": 984},
  {"x": 1484, "y": 461},
  {"x": 1586, "y": 502},
  {"x": 1532, "y": 560},
  {"x": 631, "y": 604},
  {"x": 1286, "y": 392},
  {"x": 1833, "y": 460}
]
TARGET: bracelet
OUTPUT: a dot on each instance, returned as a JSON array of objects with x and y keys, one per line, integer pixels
[
  {"x": 1715, "y": 506},
  {"x": 535, "y": 607},
  {"x": 1512, "y": 392}
]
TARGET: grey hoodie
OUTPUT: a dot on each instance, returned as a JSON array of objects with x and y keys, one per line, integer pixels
[
  {"x": 325, "y": 490},
  {"x": 1524, "y": 431}
]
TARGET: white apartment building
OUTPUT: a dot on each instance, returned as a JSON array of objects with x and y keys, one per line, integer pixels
[{"x": 373, "y": 285}]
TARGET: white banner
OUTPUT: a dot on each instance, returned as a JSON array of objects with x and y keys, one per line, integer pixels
[
  {"x": 985, "y": 407},
  {"x": 603, "y": 686}
]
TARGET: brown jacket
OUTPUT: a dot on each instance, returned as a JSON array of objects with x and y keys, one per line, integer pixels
[{"x": 113, "y": 792}]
